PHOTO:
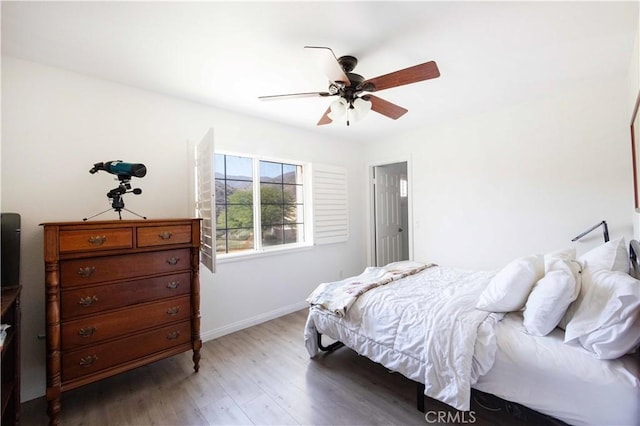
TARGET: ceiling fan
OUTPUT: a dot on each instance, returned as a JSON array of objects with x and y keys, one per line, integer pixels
[{"x": 350, "y": 87}]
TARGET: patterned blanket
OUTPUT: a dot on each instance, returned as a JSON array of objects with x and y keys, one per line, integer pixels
[{"x": 338, "y": 296}]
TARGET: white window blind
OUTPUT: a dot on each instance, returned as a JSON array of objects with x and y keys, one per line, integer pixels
[
  {"x": 205, "y": 198},
  {"x": 330, "y": 204}
]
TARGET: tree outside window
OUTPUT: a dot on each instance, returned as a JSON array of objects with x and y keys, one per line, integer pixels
[{"x": 278, "y": 200}]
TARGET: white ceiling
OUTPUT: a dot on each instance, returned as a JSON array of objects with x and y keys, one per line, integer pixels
[{"x": 226, "y": 54}]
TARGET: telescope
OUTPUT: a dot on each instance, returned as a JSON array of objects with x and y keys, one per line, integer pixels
[
  {"x": 119, "y": 168},
  {"x": 124, "y": 172}
]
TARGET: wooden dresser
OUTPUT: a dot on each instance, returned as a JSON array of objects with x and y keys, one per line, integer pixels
[{"x": 119, "y": 295}]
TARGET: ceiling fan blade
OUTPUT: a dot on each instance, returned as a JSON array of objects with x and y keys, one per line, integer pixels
[
  {"x": 325, "y": 118},
  {"x": 409, "y": 75},
  {"x": 385, "y": 108},
  {"x": 329, "y": 63},
  {"x": 294, "y": 95}
]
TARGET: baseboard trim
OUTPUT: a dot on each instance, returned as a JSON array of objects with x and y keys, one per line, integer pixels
[{"x": 249, "y": 322}]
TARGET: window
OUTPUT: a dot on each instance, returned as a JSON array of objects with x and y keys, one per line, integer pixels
[
  {"x": 404, "y": 187},
  {"x": 259, "y": 204},
  {"x": 250, "y": 205}
]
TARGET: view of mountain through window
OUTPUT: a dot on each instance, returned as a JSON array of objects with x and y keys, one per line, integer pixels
[{"x": 275, "y": 196}]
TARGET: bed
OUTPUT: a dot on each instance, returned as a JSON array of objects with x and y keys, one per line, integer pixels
[{"x": 424, "y": 321}]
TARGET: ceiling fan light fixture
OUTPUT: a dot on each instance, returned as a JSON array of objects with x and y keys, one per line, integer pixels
[
  {"x": 338, "y": 109},
  {"x": 360, "y": 108}
]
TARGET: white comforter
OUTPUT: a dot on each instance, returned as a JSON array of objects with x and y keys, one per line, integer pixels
[
  {"x": 339, "y": 296},
  {"x": 424, "y": 326}
]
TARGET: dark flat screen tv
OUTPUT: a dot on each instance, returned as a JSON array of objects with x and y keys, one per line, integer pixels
[{"x": 10, "y": 249}]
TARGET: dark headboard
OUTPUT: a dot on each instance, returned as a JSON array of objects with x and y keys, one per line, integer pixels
[{"x": 634, "y": 256}]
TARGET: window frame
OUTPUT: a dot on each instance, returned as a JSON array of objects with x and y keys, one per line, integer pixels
[{"x": 259, "y": 249}]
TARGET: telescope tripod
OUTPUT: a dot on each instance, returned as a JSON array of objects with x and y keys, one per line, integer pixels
[{"x": 117, "y": 203}]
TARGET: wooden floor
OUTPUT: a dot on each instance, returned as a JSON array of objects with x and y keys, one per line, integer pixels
[{"x": 261, "y": 375}]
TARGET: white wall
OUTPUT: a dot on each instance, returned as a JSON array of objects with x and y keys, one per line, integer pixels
[
  {"x": 634, "y": 72},
  {"x": 524, "y": 179},
  {"x": 56, "y": 124},
  {"x": 633, "y": 93}
]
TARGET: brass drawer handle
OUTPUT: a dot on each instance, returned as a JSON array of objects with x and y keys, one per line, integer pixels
[
  {"x": 173, "y": 335},
  {"x": 98, "y": 240},
  {"x": 165, "y": 235},
  {"x": 88, "y": 301},
  {"x": 173, "y": 310},
  {"x": 87, "y": 271},
  {"x": 173, "y": 285},
  {"x": 87, "y": 331},
  {"x": 173, "y": 260},
  {"x": 88, "y": 361}
]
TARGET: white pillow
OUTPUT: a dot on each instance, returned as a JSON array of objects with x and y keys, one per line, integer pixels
[
  {"x": 551, "y": 296},
  {"x": 606, "y": 319},
  {"x": 564, "y": 260},
  {"x": 509, "y": 289},
  {"x": 610, "y": 297},
  {"x": 610, "y": 256},
  {"x": 615, "y": 340}
]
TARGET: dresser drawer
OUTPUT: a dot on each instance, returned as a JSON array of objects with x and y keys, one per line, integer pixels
[
  {"x": 101, "y": 327},
  {"x": 88, "y": 300},
  {"x": 93, "y": 359},
  {"x": 95, "y": 239},
  {"x": 112, "y": 268},
  {"x": 149, "y": 236}
]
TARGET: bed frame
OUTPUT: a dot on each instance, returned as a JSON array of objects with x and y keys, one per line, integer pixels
[
  {"x": 484, "y": 400},
  {"x": 495, "y": 403}
]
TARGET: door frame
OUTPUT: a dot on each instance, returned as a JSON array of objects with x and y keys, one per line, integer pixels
[{"x": 371, "y": 225}]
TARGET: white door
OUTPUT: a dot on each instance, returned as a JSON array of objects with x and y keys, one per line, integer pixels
[{"x": 389, "y": 214}]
